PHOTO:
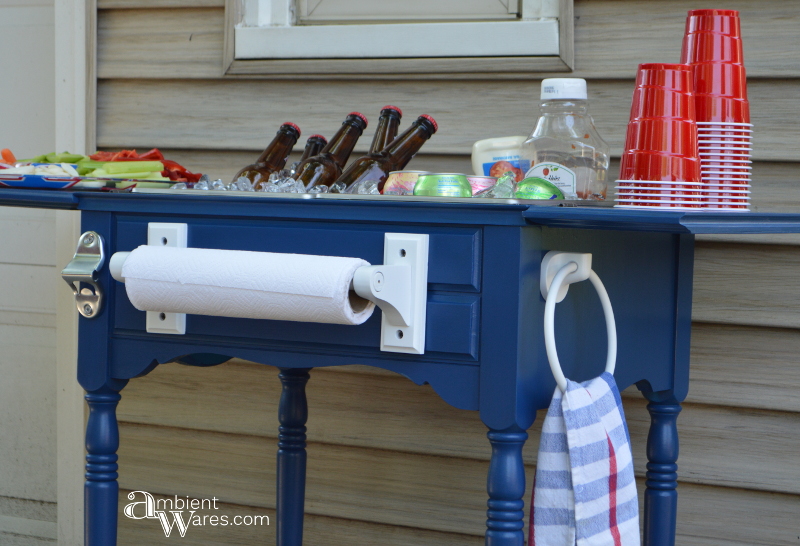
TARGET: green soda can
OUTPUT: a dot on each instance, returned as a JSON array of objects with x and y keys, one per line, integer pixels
[
  {"x": 538, "y": 188},
  {"x": 443, "y": 185}
]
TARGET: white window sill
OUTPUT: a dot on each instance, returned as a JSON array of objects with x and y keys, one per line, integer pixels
[{"x": 398, "y": 41}]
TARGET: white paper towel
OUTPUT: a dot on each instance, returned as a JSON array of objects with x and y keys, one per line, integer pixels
[{"x": 258, "y": 285}]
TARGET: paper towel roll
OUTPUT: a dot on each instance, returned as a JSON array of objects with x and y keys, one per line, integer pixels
[{"x": 258, "y": 285}]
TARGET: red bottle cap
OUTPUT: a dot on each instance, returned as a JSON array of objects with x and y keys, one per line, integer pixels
[
  {"x": 294, "y": 126},
  {"x": 361, "y": 116},
  {"x": 433, "y": 122},
  {"x": 395, "y": 108},
  {"x": 325, "y": 140}
]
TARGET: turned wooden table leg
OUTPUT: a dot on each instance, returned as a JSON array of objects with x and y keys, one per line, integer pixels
[
  {"x": 661, "y": 495},
  {"x": 101, "y": 490},
  {"x": 292, "y": 414},
  {"x": 506, "y": 487}
]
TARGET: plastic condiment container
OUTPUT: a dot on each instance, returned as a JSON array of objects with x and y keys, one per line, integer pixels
[
  {"x": 496, "y": 156},
  {"x": 565, "y": 148}
]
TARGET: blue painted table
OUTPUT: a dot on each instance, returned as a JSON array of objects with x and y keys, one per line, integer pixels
[{"x": 484, "y": 338}]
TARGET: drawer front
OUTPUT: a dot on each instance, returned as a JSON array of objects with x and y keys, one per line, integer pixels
[{"x": 454, "y": 275}]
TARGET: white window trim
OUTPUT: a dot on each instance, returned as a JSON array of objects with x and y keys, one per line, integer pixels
[
  {"x": 264, "y": 42},
  {"x": 267, "y": 31},
  {"x": 406, "y": 40}
]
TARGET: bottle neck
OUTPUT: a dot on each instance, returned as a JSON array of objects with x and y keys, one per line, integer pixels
[
  {"x": 570, "y": 106},
  {"x": 341, "y": 145},
  {"x": 388, "y": 125},
  {"x": 313, "y": 147},
  {"x": 275, "y": 155},
  {"x": 403, "y": 148}
]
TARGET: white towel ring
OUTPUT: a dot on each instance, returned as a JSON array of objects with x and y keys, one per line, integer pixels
[{"x": 549, "y": 325}]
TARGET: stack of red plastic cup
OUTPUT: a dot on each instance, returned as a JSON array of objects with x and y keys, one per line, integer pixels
[
  {"x": 660, "y": 166},
  {"x": 712, "y": 46}
]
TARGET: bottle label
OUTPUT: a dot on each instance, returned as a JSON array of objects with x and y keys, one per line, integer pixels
[
  {"x": 500, "y": 165},
  {"x": 558, "y": 175}
]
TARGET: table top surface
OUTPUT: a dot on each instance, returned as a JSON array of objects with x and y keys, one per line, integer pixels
[{"x": 412, "y": 210}]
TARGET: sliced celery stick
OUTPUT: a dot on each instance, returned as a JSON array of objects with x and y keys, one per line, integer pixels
[
  {"x": 128, "y": 175},
  {"x": 119, "y": 167}
]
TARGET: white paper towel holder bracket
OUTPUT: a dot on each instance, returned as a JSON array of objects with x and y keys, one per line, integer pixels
[
  {"x": 158, "y": 234},
  {"x": 400, "y": 288}
]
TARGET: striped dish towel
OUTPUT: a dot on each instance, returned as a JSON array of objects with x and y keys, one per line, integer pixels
[{"x": 585, "y": 493}]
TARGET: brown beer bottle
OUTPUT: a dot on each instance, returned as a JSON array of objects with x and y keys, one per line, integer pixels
[
  {"x": 388, "y": 127},
  {"x": 394, "y": 157},
  {"x": 314, "y": 145},
  {"x": 324, "y": 168},
  {"x": 274, "y": 156}
]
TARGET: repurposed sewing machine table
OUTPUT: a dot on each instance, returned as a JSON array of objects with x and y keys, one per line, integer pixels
[{"x": 479, "y": 327}]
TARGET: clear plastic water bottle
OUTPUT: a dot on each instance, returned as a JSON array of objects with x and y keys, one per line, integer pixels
[{"x": 565, "y": 148}]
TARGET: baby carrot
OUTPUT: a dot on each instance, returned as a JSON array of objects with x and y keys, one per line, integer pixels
[{"x": 8, "y": 157}]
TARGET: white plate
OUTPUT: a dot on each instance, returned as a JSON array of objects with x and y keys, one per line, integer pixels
[
  {"x": 707, "y": 141},
  {"x": 727, "y": 181},
  {"x": 707, "y": 193},
  {"x": 743, "y": 163},
  {"x": 707, "y": 188},
  {"x": 721, "y": 130},
  {"x": 723, "y": 124},
  {"x": 646, "y": 183},
  {"x": 726, "y": 156},
  {"x": 654, "y": 201},
  {"x": 662, "y": 209},
  {"x": 728, "y": 149}
]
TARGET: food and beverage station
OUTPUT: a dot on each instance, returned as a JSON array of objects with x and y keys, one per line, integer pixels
[{"x": 285, "y": 264}]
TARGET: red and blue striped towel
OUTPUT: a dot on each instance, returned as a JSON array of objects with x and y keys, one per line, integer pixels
[{"x": 585, "y": 491}]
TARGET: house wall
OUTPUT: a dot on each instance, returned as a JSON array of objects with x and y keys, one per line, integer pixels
[
  {"x": 389, "y": 462},
  {"x": 27, "y": 267}
]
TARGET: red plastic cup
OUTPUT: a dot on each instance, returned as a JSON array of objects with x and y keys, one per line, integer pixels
[
  {"x": 720, "y": 80},
  {"x": 723, "y": 21},
  {"x": 677, "y": 77},
  {"x": 658, "y": 167},
  {"x": 703, "y": 47},
  {"x": 710, "y": 108},
  {"x": 658, "y": 102},
  {"x": 670, "y": 136}
]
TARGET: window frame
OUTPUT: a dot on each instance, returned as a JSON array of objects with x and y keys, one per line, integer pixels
[{"x": 427, "y": 67}]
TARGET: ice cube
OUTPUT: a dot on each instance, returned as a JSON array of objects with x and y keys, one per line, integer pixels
[
  {"x": 367, "y": 187},
  {"x": 291, "y": 185},
  {"x": 218, "y": 185},
  {"x": 505, "y": 188},
  {"x": 201, "y": 185},
  {"x": 243, "y": 184},
  {"x": 179, "y": 186},
  {"x": 319, "y": 189}
]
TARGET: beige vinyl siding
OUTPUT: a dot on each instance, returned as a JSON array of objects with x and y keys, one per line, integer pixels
[{"x": 389, "y": 462}]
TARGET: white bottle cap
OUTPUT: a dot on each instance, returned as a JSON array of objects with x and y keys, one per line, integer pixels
[{"x": 564, "y": 89}]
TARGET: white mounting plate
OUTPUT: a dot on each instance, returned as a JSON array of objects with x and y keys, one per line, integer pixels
[
  {"x": 409, "y": 249},
  {"x": 553, "y": 261},
  {"x": 172, "y": 235}
]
